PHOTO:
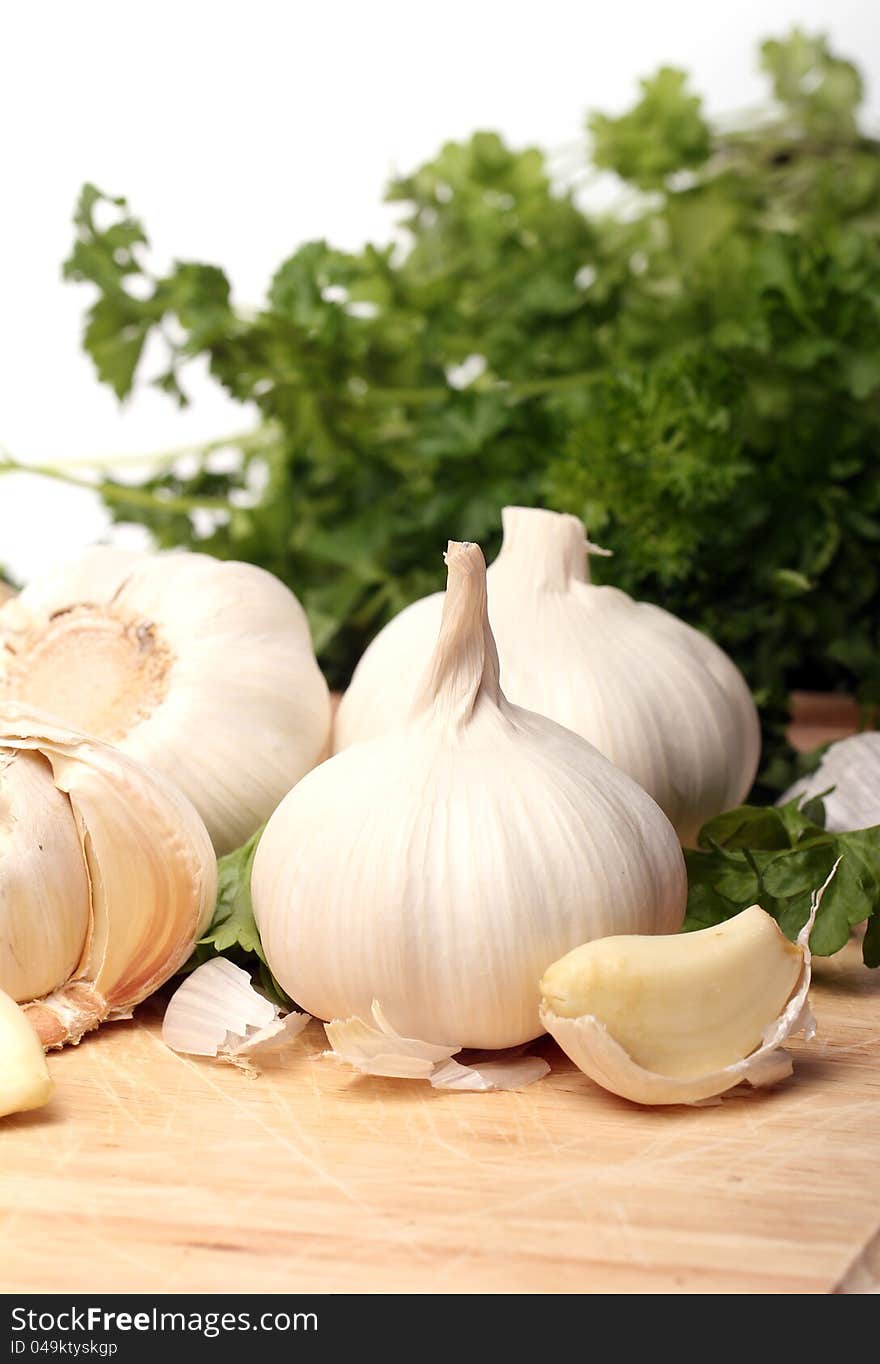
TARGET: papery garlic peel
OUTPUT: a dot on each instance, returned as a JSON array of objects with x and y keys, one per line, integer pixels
[
  {"x": 684, "y": 1018},
  {"x": 658, "y": 698},
  {"x": 441, "y": 867},
  {"x": 848, "y": 780},
  {"x": 24, "y": 1078},
  {"x": 107, "y": 877},
  {"x": 201, "y": 668}
]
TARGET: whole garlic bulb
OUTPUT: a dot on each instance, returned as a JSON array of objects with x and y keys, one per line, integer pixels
[
  {"x": 439, "y": 869},
  {"x": 107, "y": 877},
  {"x": 201, "y": 668},
  {"x": 658, "y": 698}
]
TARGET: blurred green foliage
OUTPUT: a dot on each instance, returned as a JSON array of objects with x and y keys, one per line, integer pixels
[{"x": 695, "y": 373}]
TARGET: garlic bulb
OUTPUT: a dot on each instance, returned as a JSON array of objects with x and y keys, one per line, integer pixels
[
  {"x": 658, "y": 698},
  {"x": 107, "y": 877},
  {"x": 202, "y": 669},
  {"x": 440, "y": 868},
  {"x": 852, "y": 768}
]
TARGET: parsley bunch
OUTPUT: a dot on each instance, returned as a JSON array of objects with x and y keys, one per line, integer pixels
[
  {"x": 697, "y": 375},
  {"x": 776, "y": 857}
]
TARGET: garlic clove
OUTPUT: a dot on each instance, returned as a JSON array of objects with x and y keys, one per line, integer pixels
[
  {"x": 24, "y": 1077},
  {"x": 151, "y": 871},
  {"x": 200, "y": 668},
  {"x": 217, "y": 1012},
  {"x": 684, "y": 1009},
  {"x": 375, "y": 1048},
  {"x": 42, "y": 867}
]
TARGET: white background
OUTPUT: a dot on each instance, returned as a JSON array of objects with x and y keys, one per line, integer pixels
[{"x": 239, "y": 130}]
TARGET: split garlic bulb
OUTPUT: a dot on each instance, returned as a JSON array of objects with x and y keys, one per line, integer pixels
[
  {"x": 201, "y": 668},
  {"x": 107, "y": 877},
  {"x": 439, "y": 869},
  {"x": 658, "y": 698}
]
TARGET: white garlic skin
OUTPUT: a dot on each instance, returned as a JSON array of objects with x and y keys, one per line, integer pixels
[
  {"x": 201, "y": 668},
  {"x": 441, "y": 868},
  {"x": 852, "y": 768},
  {"x": 655, "y": 696}
]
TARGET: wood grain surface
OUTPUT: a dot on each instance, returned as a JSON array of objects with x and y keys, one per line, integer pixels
[{"x": 153, "y": 1172}]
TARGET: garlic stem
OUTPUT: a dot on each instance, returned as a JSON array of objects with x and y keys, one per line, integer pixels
[
  {"x": 464, "y": 664},
  {"x": 547, "y": 548}
]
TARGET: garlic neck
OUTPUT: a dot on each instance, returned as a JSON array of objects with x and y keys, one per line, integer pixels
[
  {"x": 548, "y": 550},
  {"x": 464, "y": 664}
]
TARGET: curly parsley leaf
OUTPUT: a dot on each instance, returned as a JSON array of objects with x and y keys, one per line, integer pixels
[{"x": 776, "y": 857}]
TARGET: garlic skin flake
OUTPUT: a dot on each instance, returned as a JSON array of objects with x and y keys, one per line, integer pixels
[
  {"x": 655, "y": 696},
  {"x": 852, "y": 767},
  {"x": 24, "y": 1078},
  {"x": 711, "y": 1009},
  {"x": 377, "y": 1049},
  {"x": 217, "y": 1012},
  {"x": 112, "y": 831},
  {"x": 441, "y": 867},
  {"x": 203, "y": 669}
]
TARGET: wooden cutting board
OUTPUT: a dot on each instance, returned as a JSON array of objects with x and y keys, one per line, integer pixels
[{"x": 155, "y": 1173}]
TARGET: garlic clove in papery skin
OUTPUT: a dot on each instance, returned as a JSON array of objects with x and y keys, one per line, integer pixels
[
  {"x": 655, "y": 696},
  {"x": 24, "y": 1078},
  {"x": 440, "y": 868},
  {"x": 203, "y": 669},
  {"x": 107, "y": 877},
  {"x": 685, "y": 1019}
]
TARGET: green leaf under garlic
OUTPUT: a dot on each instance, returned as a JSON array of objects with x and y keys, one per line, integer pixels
[
  {"x": 774, "y": 857},
  {"x": 232, "y": 932}
]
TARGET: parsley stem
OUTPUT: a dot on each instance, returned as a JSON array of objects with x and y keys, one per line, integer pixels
[{"x": 116, "y": 492}]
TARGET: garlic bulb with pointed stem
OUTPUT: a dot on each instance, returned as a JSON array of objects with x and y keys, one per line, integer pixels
[
  {"x": 107, "y": 877},
  {"x": 658, "y": 698},
  {"x": 203, "y": 669},
  {"x": 439, "y": 869}
]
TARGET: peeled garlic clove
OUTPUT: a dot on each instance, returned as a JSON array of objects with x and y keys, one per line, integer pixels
[
  {"x": 656, "y": 697},
  {"x": 852, "y": 768},
  {"x": 24, "y": 1077},
  {"x": 440, "y": 867},
  {"x": 202, "y": 669},
  {"x": 217, "y": 1012},
  {"x": 684, "y": 1018},
  {"x": 149, "y": 868},
  {"x": 375, "y": 1048}
]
